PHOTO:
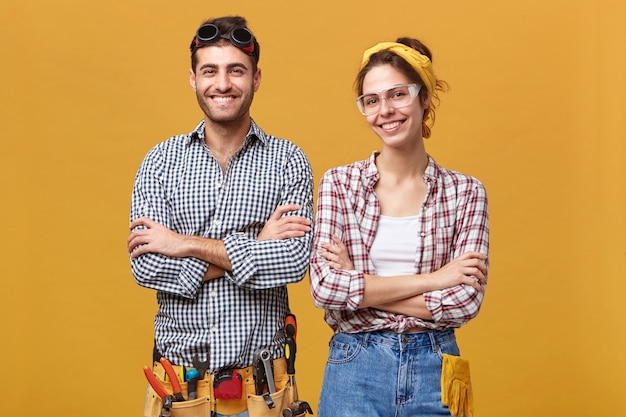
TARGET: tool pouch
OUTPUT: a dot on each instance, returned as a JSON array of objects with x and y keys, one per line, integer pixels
[
  {"x": 205, "y": 403},
  {"x": 269, "y": 405},
  {"x": 199, "y": 407},
  {"x": 456, "y": 386}
]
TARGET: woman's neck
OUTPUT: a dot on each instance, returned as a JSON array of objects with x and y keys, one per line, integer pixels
[{"x": 403, "y": 163}]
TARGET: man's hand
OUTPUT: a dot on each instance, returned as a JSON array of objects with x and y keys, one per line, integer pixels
[
  {"x": 155, "y": 238},
  {"x": 336, "y": 254},
  {"x": 280, "y": 227},
  {"x": 213, "y": 272}
]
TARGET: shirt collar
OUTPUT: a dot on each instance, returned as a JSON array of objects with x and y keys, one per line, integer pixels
[
  {"x": 371, "y": 171},
  {"x": 432, "y": 170},
  {"x": 255, "y": 132}
]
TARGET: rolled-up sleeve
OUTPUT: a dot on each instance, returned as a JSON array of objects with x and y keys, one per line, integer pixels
[
  {"x": 180, "y": 276},
  {"x": 457, "y": 305},
  {"x": 332, "y": 288},
  {"x": 259, "y": 264}
]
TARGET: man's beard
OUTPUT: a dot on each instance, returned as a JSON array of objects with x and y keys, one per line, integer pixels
[{"x": 233, "y": 116}]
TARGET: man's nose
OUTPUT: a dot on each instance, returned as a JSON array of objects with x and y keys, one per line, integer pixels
[{"x": 222, "y": 82}]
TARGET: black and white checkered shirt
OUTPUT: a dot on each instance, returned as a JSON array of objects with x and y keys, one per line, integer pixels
[{"x": 181, "y": 185}]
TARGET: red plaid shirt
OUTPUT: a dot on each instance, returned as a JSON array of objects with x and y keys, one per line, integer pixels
[{"x": 452, "y": 221}]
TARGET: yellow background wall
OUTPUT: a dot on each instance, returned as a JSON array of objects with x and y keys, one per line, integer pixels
[{"x": 536, "y": 111}]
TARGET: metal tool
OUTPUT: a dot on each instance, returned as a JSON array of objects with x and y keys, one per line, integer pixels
[
  {"x": 201, "y": 367},
  {"x": 161, "y": 392},
  {"x": 167, "y": 406},
  {"x": 196, "y": 374},
  {"x": 192, "y": 376},
  {"x": 297, "y": 408},
  {"x": 171, "y": 373},
  {"x": 262, "y": 376},
  {"x": 266, "y": 358},
  {"x": 258, "y": 372},
  {"x": 290, "y": 351}
]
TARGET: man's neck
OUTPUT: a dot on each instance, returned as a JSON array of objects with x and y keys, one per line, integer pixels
[{"x": 224, "y": 139}]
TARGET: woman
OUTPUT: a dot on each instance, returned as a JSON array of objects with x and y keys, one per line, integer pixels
[{"x": 400, "y": 253}]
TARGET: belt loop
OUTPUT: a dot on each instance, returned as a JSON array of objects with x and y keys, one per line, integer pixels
[
  {"x": 366, "y": 336},
  {"x": 433, "y": 341}
]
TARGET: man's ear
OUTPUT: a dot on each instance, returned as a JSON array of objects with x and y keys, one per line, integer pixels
[
  {"x": 257, "y": 79},
  {"x": 192, "y": 79}
]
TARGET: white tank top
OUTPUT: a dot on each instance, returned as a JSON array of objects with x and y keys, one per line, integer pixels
[{"x": 393, "y": 249}]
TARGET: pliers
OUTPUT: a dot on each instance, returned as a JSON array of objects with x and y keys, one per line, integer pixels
[{"x": 167, "y": 398}]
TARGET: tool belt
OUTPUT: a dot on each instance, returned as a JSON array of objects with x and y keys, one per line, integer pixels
[{"x": 267, "y": 405}]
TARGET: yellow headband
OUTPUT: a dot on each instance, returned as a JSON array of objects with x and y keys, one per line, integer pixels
[{"x": 419, "y": 62}]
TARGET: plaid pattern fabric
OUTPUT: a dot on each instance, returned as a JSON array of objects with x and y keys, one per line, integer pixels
[
  {"x": 181, "y": 185},
  {"x": 453, "y": 220}
]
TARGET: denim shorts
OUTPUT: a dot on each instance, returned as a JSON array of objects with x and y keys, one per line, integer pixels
[{"x": 386, "y": 374}]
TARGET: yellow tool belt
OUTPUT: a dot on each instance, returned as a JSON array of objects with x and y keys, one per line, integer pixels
[{"x": 206, "y": 402}]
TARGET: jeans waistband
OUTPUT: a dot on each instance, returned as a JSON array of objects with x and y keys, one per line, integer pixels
[{"x": 416, "y": 339}]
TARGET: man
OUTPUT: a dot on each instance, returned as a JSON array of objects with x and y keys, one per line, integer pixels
[{"x": 221, "y": 221}]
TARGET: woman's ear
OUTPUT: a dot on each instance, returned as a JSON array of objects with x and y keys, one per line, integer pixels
[{"x": 424, "y": 98}]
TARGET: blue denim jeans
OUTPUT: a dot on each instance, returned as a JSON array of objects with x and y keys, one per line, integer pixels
[{"x": 386, "y": 374}]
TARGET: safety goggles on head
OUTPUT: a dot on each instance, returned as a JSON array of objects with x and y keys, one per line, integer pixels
[
  {"x": 396, "y": 97},
  {"x": 242, "y": 38}
]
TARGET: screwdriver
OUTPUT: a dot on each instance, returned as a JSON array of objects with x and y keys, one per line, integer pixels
[
  {"x": 290, "y": 350},
  {"x": 192, "y": 376},
  {"x": 290, "y": 326}
]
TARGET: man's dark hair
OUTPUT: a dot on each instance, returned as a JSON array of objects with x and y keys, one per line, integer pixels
[{"x": 226, "y": 25}]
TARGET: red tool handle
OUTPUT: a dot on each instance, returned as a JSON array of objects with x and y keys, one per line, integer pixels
[
  {"x": 158, "y": 388},
  {"x": 290, "y": 326},
  {"x": 171, "y": 374}
]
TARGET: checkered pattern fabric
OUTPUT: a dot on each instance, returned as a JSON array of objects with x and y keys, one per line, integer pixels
[
  {"x": 453, "y": 220},
  {"x": 181, "y": 185}
]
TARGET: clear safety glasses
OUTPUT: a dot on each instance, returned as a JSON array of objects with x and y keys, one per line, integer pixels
[{"x": 396, "y": 97}]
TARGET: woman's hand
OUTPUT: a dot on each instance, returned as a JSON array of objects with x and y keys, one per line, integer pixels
[
  {"x": 336, "y": 254},
  {"x": 469, "y": 269}
]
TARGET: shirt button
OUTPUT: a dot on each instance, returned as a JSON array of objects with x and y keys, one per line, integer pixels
[
  {"x": 423, "y": 234},
  {"x": 219, "y": 185},
  {"x": 214, "y": 328},
  {"x": 213, "y": 294},
  {"x": 217, "y": 222}
]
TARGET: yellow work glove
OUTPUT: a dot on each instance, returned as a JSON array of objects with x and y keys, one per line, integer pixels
[{"x": 456, "y": 387}]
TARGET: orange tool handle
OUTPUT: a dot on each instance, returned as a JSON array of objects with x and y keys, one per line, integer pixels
[
  {"x": 290, "y": 326},
  {"x": 171, "y": 374},
  {"x": 158, "y": 388}
]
